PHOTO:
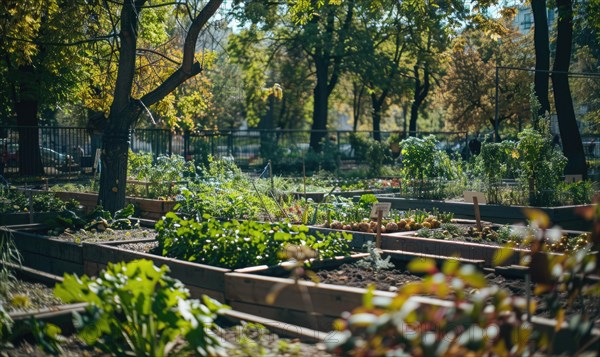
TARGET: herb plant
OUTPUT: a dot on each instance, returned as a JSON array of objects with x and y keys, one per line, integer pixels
[
  {"x": 374, "y": 260},
  {"x": 135, "y": 308},
  {"x": 235, "y": 244}
]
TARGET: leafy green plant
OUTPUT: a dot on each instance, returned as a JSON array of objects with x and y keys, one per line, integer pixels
[
  {"x": 6, "y": 326},
  {"x": 541, "y": 166},
  {"x": 161, "y": 175},
  {"x": 12, "y": 201},
  {"x": 421, "y": 160},
  {"x": 46, "y": 336},
  {"x": 9, "y": 257},
  {"x": 576, "y": 193},
  {"x": 235, "y": 244},
  {"x": 135, "y": 308},
  {"x": 99, "y": 220},
  {"x": 496, "y": 162}
]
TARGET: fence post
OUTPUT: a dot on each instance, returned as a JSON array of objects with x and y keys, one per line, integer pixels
[{"x": 186, "y": 145}]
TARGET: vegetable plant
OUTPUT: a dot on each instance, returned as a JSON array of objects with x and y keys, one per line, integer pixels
[
  {"x": 162, "y": 174},
  {"x": 235, "y": 244},
  {"x": 13, "y": 201},
  {"x": 135, "y": 308},
  {"x": 99, "y": 220}
]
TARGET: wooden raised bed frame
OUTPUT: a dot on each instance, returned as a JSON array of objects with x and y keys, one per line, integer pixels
[
  {"x": 301, "y": 303},
  {"x": 565, "y": 216},
  {"x": 148, "y": 208}
]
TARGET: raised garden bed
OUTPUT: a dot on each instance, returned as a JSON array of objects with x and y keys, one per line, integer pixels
[
  {"x": 200, "y": 279},
  {"x": 407, "y": 242},
  {"x": 565, "y": 216},
  {"x": 26, "y": 218},
  {"x": 54, "y": 255},
  {"x": 240, "y": 331},
  {"x": 147, "y": 208},
  {"x": 319, "y": 196}
]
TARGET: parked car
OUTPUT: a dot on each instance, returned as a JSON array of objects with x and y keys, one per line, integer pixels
[
  {"x": 9, "y": 153},
  {"x": 51, "y": 158}
]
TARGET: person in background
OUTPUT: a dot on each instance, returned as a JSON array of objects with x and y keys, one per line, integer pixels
[
  {"x": 592, "y": 147},
  {"x": 475, "y": 146}
]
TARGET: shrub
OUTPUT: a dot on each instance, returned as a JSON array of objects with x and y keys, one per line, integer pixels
[{"x": 541, "y": 165}]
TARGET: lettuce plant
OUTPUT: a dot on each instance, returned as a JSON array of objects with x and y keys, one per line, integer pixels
[
  {"x": 136, "y": 309},
  {"x": 236, "y": 244}
]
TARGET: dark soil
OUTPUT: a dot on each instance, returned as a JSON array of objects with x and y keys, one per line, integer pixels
[
  {"x": 393, "y": 279},
  {"x": 241, "y": 340},
  {"x": 359, "y": 277}
]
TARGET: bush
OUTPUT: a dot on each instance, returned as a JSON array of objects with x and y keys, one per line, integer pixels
[{"x": 422, "y": 160}]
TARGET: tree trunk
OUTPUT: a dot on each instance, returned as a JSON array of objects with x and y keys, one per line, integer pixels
[
  {"x": 563, "y": 101},
  {"x": 125, "y": 110},
  {"x": 542, "y": 54},
  {"x": 30, "y": 160},
  {"x": 421, "y": 91},
  {"x": 321, "y": 95},
  {"x": 266, "y": 125},
  {"x": 404, "y": 117},
  {"x": 377, "y": 104},
  {"x": 115, "y": 148},
  {"x": 356, "y": 103}
]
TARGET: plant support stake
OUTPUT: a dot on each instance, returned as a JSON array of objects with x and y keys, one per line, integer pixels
[
  {"x": 262, "y": 202},
  {"x": 378, "y": 236},
  {"x": 477, "y": 213}
]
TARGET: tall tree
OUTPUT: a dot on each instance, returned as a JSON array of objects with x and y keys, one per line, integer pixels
[
  {"x": 325, "y": 42},
  {"x": 323, "y": 34},
  {"x": 469, "y": 85},
  {"x": 40, "y": 66},
  {"x": 125, "y": 109},
  {"x": 563, "y": 101},
  {"x": 430, "y": 31},
  {"x": 381, "y": 38},
  {"x": 541, "y": 41}
]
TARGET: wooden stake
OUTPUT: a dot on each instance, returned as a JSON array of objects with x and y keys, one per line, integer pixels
[
  {"x": 477, "y": 213},
  {"x": 304, "y": 177},
  {"x": 378, "y": 236},
  {"x": 271, "y": 176}
]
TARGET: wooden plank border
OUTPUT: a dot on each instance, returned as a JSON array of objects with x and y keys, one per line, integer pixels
[
  {"x": 564, "y": 216},
  {"x": 248, "y": 293},
  {"x": 200, "y": 279},
  {"x": 407, "y": 242},
  {"x": 47, "y": 254}
]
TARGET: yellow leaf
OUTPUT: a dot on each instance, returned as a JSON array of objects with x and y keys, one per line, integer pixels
[
  {"x": 500, "y": 256},
  {"x": 422, "y": 266},
  {"x": 537, "y": 216},
  {"x": 560, "y": 318}
]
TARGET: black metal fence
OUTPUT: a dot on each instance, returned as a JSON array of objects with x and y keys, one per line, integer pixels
[{"x": 72, "y": 149}]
